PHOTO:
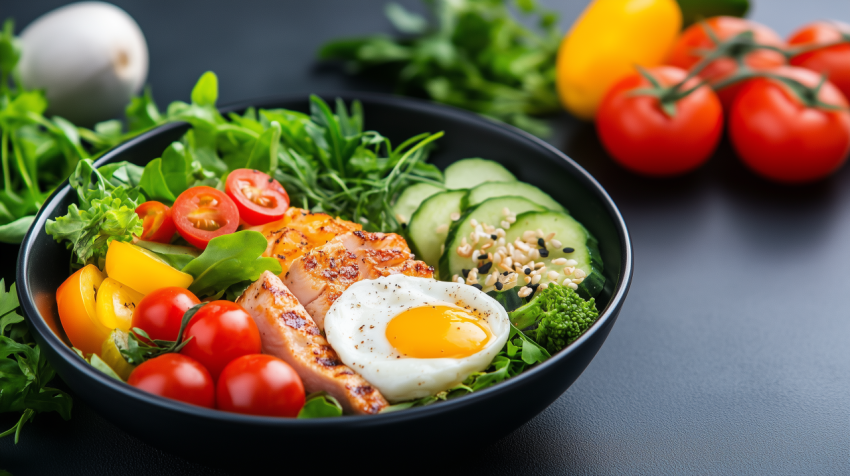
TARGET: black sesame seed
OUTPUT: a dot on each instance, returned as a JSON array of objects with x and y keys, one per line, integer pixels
[
  {"x": 541, "y": 243},
  {"x": 499, "y": 285},
  {"x": 485, "y": 268},
  {"x": 533, "y": 287},
  {"x": 544, "y": 253},
  {"x": 568, "y": 250},
  {"x": 477, "y": 286},
  {"x": 493, "y": 237},
  {"x": 482, "y": 256},
  {"x": 527, "y": 271},
  {"x": 465, "y": 273},
  {"x": 506, "y": 273}
]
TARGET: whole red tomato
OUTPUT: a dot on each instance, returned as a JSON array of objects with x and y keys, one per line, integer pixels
[
  {"x": 780, "y": 137},
  {"x": 642, "y": 137},
  {"x": 260, "y": 385},
  {"x": 695, "y": 43},
  {"x": 259, "y": 198},
  {"x": 220, "y": 331},
  {"x": 160, "y": 313},
  {"x": 177, "y": 377},
  {"x": 834, "y": 61}
]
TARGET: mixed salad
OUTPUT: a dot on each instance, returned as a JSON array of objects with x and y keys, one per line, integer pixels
[{"x": 287, "y": 264}]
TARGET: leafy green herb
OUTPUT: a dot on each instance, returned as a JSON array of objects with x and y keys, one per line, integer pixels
[
  {"x": 320, "y": 405},
  {"x": 519, "y": 353},
  {"x": 140, "y": 346},
  {"x": 476, "y": 55},
  {"x": 228, "y": 260},
  {"x": 24, "y": 370},
  {"x": 175, "y": 255}
]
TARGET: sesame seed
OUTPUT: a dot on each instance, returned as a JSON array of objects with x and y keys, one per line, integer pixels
[
  {"x": 567, "y": 282},
  {"x": 544, "y": 253},
  {"x": 555, "y": 243},
  {"x": 578, "y": 281},
  {"x": 568, "y": 250},
  {"x": 522, "y": 246},
  {"x": 527, "y": 271},
  {"x": 527, "y": 235},
  {"x": 455, "y": 216},
  {"x": 506, "y": 273},
  {"x": 463, "y": 242},
  {"x": 527, "y": 279},
  {"x": 494, "y": 237},
  {"x": 525, "y": 291},
  {"x": 572, "y": 262},
  {"x": 544, "y": 286},
  {"x": 509, "y": 285},
  {"x": 499, "y": 285},
  {"x": 540, "y": 266},
  {"x": 580, "y": 273},
  {"x": 464, "y": 272},
  {"x": 460, "y": 280},
  {"x": 506, "y": 211},
  {"x": 505, "y": 224},
  {"x": 534, "y": 254},
  {"x": 541, "y": 243},
  {"x": 511, "y": 219},
  {"x": 500, "y": 232},
  {"x": 477, "y": 286},
  {"x": 573, "y": 286},
  {"x": 442, "y": 228},
  {"x": 486, "y": 245},
  {"x": 568, "y": 271},
  {"x": 473, "y": 223},
  {"x": 550, "y": 236},
  {"x": 540, "y": 233},
  {"x": 485, "y": 268},
  {"x": 454, "y": 277},
  {"x": 533, "y": 287},
  {"x": 536, "y": 279},
  {"x": 553, "y": 275},
  {"x": 559, "y": 261},
  {"x": 491, "y": 279}
]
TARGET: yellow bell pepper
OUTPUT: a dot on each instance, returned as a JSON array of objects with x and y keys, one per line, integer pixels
[
  {"x": 111, "y": 354},
  {"x": 141, "y": 270},
  {"x": 605, "y": 44},
  {"x": 75, "y": 300},
  {"x": 115, "y": 304}
]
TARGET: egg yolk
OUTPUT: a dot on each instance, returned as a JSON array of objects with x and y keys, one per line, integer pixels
[{"x": 432, "y": 332}]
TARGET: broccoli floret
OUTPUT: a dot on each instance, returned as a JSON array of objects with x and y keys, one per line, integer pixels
[{"x": 561, "y": 316}]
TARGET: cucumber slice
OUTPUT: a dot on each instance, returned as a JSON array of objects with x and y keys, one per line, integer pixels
[
  {"x": 487, "y": 212},
  {"x": 571, "y": 234},
  {"x": 430, "y": 223},
  {"x": 411, "y": 198},
  {"x": 517, "y": 189},
  {"x": 468, "y": 173}
]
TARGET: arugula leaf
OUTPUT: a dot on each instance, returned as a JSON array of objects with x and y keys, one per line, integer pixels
[
  {"x": 14, "y": 232},
  {"x": 24, "y": 371},
  {"x": 175, "y": 255},
  {"x": 320, "y": 405},
  {"x": 230, "y": 259}
]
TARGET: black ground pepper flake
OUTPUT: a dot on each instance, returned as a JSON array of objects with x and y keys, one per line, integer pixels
[{"x": 485, "y": 268}]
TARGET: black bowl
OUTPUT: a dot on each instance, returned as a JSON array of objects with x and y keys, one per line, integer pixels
[{"x": 479, "y": 418}]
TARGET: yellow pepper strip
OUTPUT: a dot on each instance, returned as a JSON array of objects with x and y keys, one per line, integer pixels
[
  {"x": 605, "y": 44},
  {"x": 115, "y": 304},
  {"x": 75, "y": 300},
  {"x": 142, "y": 270},
  {"x": 111, "y": 354}
]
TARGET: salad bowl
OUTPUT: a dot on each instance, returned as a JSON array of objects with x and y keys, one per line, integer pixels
[{"x": 479, "y": 418}]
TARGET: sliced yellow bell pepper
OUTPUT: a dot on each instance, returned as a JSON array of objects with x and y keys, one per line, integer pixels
[
  {"x": 115, "y": 304},
  {"x": 111, "y": 354},
  {"x": 142, "y": 270},
  {"x": 75, "y": 300},
  {"x": 605, "y": 44}
]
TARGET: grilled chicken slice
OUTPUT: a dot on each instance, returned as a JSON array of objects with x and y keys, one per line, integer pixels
[
  {"x": 321, "y": 275},
  {"x": 288, "y": 332},
  {"x": 298, "y": 232}
]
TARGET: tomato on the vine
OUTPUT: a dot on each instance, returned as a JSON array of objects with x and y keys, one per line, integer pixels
[
  {"x": 260, "y": 385},
  {"x": 160, "y": 313},
  {"x": 203, "y": 213},
  {"x": 641, "y": 135},
  {"x": 157, "y": 221},
  {"x": 696, "y": 42},
  {"x": 259, "y": 198},
  {"x": 177, "y": 377},
  {"x": 831, "y": 58},
  {"x": 220, "y": 331},
  {"x": 790, "y": 136}
]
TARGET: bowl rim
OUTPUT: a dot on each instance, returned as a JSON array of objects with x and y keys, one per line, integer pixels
[{"x": 71, "y": 358}]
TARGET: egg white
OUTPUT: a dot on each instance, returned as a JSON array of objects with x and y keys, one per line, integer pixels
[{"x": 356, "y": 326}]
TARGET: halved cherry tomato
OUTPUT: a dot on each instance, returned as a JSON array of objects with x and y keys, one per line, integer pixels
[
  {"x": 259, "y": 198},
  {"x": 221, "y": 331},
  {"x": 75, "y": 299},
  {"x": 696, "y": 42},
  {"x": 832, "y": 60},
  {"x": 160, "y": 313},
  {"x": 177, "y": 377},
  {"x": 116, "y": 303},
  {"x": 260, "y": 385},
  {"x": 157, "y": 221},
  {"x": 203, "y": 213},
  {"x": 782, "y": 138}
]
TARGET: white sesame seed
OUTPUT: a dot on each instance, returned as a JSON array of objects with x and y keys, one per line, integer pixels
[
  {"x": 559, "y": 261},
  {"x": 489, "y": 229},
  {"x": 500, "y": 232},
  {"x": 567, "y": 282},
  {"x": 501, "y": 242},
  {"x": 572, "y": 262},
  {"x": 543, "y": 286},
  {"x": 534, "y": 254},
  {"x": 464, "y": 250},
  {"x": 553, "y": 275},
  {"x": 442, "y": 228},
  {"x": 508, "y": 285},
  {"x": 505, "y": 265},
  {"x": 486, "y": 245},
  {"x": 578, "y": 281},
  {"x": 526, "y": 235},
  {"x": 473, "y": 223},
  {"x": 536, "y": 279},
  {"x": 505, "y": 224},
  {"x": 522, "y": 246},
  {"x": 540, "y": 233},
  {"x": 497, "y": 258},
  {"x": 527, "y": 279},
  {"x": 550, "y": 236},
  {"x": 510, "y": 219},
  {"x": 568, "y": 271},
  {"x": 491, "y": 280},
  {"x": 573, "y": 286},
  {"x": 506, "y": 211},
  {"x": 471, "y": 279},
  {"x": 540, "y": 266},
  {"x": 580, "y": 273},
  {"x": 525, "y": 291},
  {"x": 454, "y": 277},
  {"x": 508, "y": 262},
  {"x": 455, "y": 216},
  {"x": 555, "y": 243},
  {"x": 463, "y": 242}
]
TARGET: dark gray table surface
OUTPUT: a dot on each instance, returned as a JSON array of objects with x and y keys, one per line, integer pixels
[{"x": 731, "y": 353}]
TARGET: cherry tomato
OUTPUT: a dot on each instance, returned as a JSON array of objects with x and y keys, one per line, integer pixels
[
  {"x": 260, "y": 385},
  {"x": 177, "y": 377},
  {"x": 157, "y": 221},
  {"x": 695, "y": 43},
  {"x": 783, "y": 139},
  {"x": 259, "y": 198},
  {"x": 221, "y": 331},
  {"x": 643, "y": 138},
  {"x": 834, "y": 61},
  {"x": 160, "y": 313},
  {"x": 203, "y": 213}
]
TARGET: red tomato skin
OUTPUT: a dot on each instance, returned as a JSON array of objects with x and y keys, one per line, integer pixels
[
  {"x": 834, "y": 61},
  {"x": 150, "y": 212},
  {"x": 160, "y": 312},
  {"x": 260, "y": 385},
  {"x": 188, "y": 203},
  {"x": 267, "y": 188},
  {"x": 177, "y": 377},
  {"x": 685, "y": 52},
  {"x": 641, "y": 137},
  {"x": 221, "y": 331},
  {"x": 783, "y": 140}
]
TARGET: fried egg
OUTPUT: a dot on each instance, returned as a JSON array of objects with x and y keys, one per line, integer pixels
[{"x": 414, "y": 337}]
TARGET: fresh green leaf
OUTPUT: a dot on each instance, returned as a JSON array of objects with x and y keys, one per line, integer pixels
[
  {"x": 320, "y": 405},
  {"x": 205, "y": 92},
  {"x": 230, "y": 259},
  {"x": 154, "y": 184},
  {"x": 99, "y": 364},
  {"x": 140, "y": 346},
  {"x": 14, "y": 232},
  {"x": 176, "y": 256},
  {"x": 404, "y": 20}
]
